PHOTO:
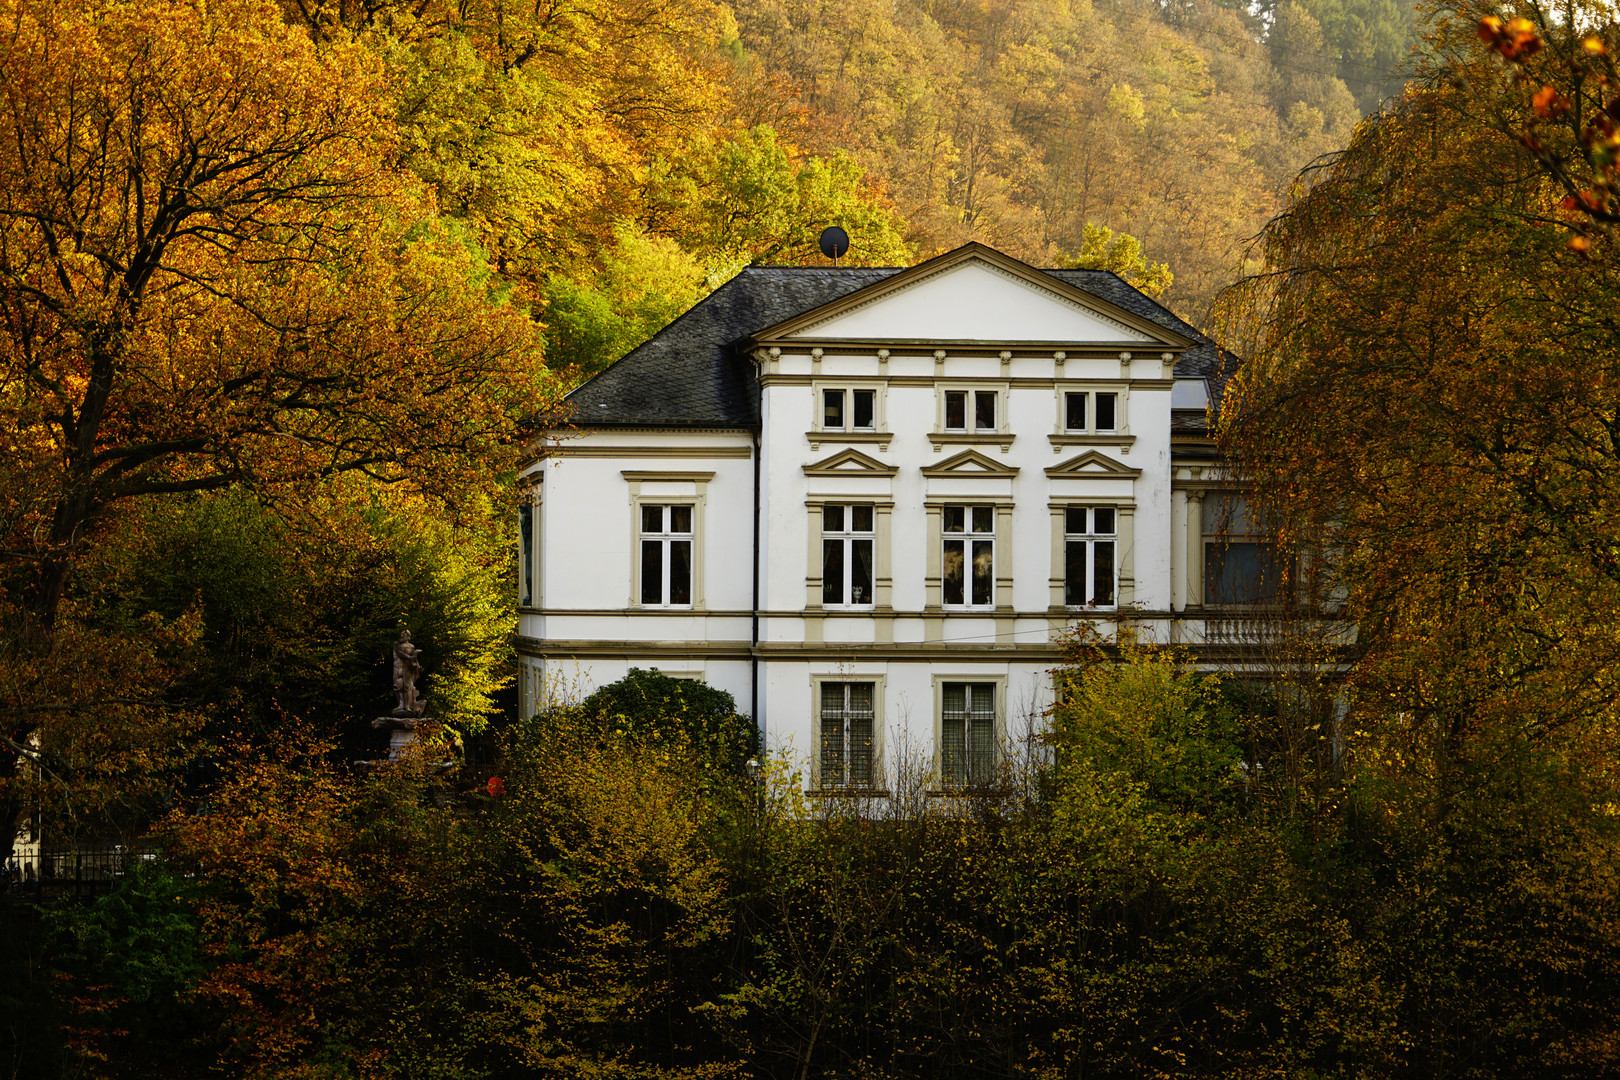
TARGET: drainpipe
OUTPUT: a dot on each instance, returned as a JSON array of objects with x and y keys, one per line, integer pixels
[{"x": 753, "y": 652}]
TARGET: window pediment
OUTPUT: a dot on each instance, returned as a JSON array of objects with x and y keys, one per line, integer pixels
[
  {"x": 849, "y": 463},
  {"x": 1092, "y": 464},
  {"x": 971, "y": 463}
]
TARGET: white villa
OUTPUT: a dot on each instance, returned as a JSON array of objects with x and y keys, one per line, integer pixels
[{"x": 868, "y": 502}]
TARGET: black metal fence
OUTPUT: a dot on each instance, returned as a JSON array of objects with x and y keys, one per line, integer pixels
[{"x": 53, "y": 874}]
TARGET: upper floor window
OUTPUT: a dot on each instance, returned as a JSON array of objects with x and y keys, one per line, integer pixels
[
  {"x": 971, "y": 410},
  {"x": 526, "y": 554},
  {"x": 968, "y": 567},
  {"x": 846, "y": 409},
  {"x": 1242, "y": 564},
  {"x": 1093, "y": 412},
  {"x": 1090, "y": 566},
  {"x": 847, "y": 540},
  {"x": 666, "y": 554}
]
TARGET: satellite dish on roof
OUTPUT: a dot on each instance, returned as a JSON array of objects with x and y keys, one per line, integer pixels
[{"x": 834, "y": 243}]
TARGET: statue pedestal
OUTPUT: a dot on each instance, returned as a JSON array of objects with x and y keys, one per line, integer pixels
[{"x": 402, "y": 732}]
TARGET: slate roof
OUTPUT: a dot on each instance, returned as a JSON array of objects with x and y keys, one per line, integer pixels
[{"x": 692, "y": 374}]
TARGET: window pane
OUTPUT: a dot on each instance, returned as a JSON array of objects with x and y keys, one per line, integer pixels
[
  {"x": 983, "y": 570},
  {"x": 680, "y": 519},
  {"x": 955, "y": 517},
  {"x": 1241, "y": 573},
  {"x": 832, "y": 571},
  {"x": 955, "y": 560},
  {"x": 865, "y": 407},
  {"x": 680, "y": 571},
  {"x": 984, "y": 410},
  {"x": 832, "y": 734},
  {"x": 860, "y": 572},
  {"x": 1105, "y": 411},
  {"x": 652, "y": 519},
  {"x": 832, "y": 519},
  {"x": 955, "y": 410},
  {"x": 1102, "y": 571},
  {"x": 860, "y": 519},
  {"x": 1075, "y": 592},
  {"x": 981, "y": 750},
  {"x": 953, "y": 734},
  {"x": 1074, "y": 520},
  {"x": 526, "y": 551},
  {"x": 652, "y": 572},
  {"x": 832, "y": 408},
  {"x": 984, "y": 519},
  {"x": 860, "y": 698},
  {"x": 860, "y": 748},
  {"x": 1103, "y": 521},
  {"x": 1074, "y": 412}
]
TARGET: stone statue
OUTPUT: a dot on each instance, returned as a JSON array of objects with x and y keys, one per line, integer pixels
[{"x": 407, "y": 669}]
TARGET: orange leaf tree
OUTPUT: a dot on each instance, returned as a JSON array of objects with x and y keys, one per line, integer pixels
[{"x": 212, "y": 274}]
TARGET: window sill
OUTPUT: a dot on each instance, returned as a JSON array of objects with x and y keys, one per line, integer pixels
[
  {"x": 848, "y": 793},
  {"x": 1003, "y": 439},
  {"x": 882, "y": 438},
  {"x": 1080, "y": 438}
]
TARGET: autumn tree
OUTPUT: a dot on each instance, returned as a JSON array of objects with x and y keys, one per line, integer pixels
[{"x": 214, "y": 276}]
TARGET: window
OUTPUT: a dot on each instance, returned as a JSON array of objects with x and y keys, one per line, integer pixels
[
  {"x": 847, "y": 540},
  {"x": 1100, "y": 408},
  {"x": 1089, "y": 563},
  {"x": 666, "y": 555},
  {"x": 847, "y": 719},
  {"x": 969, "y": 556},
  {"x": 982, "y": 404},
  {"x": 848, "y": 410},
  {"x": 526, "y": 554},
  {"x": 967, "y": 733},
  {"x": 1241, "y": 562}
]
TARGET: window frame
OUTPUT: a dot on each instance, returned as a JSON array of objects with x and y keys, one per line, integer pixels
[
  {"x": 848, "y": 537},
  {"x": 877, "y": 433},
  {"x": 1090, "y": 538},
  {"x": 1002, "y": 555},
  {"x": 1091, "y": 391},
  {"x": 998, "y": 683},
  {"x": 666, "y": 538},
  {"x": 1124, "y": 553},
  {"x": 969, "y": 537},
  {"x": 882, "y": 531},
  {"x": 1211, "y": 536},
  {"x": 877, "y": 783},
  {"x": 1001, "y": 433},
  {"x": 668, "y": 488}
]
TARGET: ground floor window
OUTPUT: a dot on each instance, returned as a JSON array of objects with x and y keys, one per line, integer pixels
[
  {"x": 967, "y": 733},
  {"x": 848, "y": 716}
]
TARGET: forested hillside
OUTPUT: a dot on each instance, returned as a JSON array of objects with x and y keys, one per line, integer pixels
[{"x": 1020, "y": 122}]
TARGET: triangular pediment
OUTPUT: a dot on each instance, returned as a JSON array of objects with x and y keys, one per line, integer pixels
[
  {"x": 1092, "y": 463},
  {"x": 975, "y": 294},
  {"x": 849, "y": 463},
  {"x": 971, "y": 463}
]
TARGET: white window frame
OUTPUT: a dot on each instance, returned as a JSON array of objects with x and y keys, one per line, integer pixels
[
  {"x": 1090, "y": 537},
  {"x": 848, "y": 390},
  {"x": 667, "y": 538},
  {"x": 846, "y": 783},
  {"x": 1124, "y": 553},
  {"x": 847, "y": 538},
  {"x": 969, "y": 538},
  {"x": 970, "y": 426},
  {"x": 969, "y": 782}
]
